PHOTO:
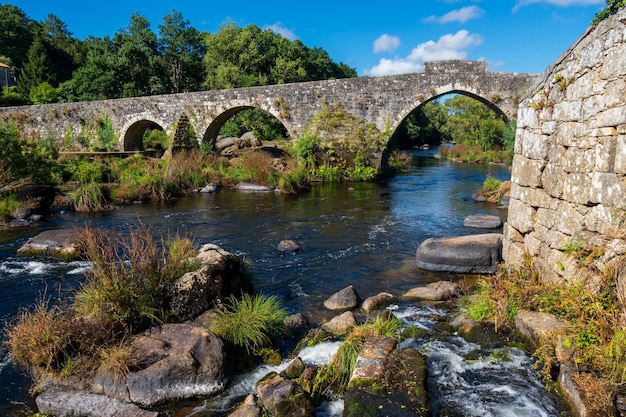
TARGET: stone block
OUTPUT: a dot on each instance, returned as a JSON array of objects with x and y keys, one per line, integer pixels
[
  {"x": 605, "y": 153},
  {"x": 534, "y": 146},
  {"x": 570, "y": 220},
  {"x": 608, "y": 189},
  {"x": 577, "y": 188},
  {"x": 527, "y": 172},
  {"x": 521, "y": 216},
  {"x": 553, "y": 179},
  {"x": 620, "y": 155},
  {"x": 611, "y": 117},
  {"x": 568, "y": 111},
  {"x": 579, "y": 160}
]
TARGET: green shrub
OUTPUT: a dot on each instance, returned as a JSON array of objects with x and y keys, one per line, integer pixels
[
  {"x": 7, "y": 206},
  {"x": 127, "y": 271},
  {"x": 106, "y": 137},
  {"x": 91, "y": 197},
  {"x": 329, "y": 173},
  {"x": 362, "y": 170},
  {"x": 491, "y": 184},
  {"x": 251, "y": 323},
  {"x": 155, "y": 138}
]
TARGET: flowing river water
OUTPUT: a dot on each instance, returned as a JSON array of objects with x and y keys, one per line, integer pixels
[{"x": 364, "y": 234}]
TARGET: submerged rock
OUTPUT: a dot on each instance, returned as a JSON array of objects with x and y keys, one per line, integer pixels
[
  {"x": 254, "y": 188},
  {"x": 288, "y": 246},
  {"x": 472, "y": 254},
  {"x": 249, "y": 408},
  {"x": 378, "y": 302},
  {"x": 341, "y": 324}
]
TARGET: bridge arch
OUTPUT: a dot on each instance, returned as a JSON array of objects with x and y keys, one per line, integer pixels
[
  {"x": 133, "y": 138},
  {"x": 134, "y": 127},
  {"x": 442, "y": 91},
  {"x": 212, "y": 130}
]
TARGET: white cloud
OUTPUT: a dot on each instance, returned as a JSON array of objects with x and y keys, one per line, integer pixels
[
  {"x": 386, "y": 43},
  {"x": 450, "y": 46},
  {"x": 279, "y": 29},
  {"x": 461, "y": 15},
  {"x": 561, "y": 3}
]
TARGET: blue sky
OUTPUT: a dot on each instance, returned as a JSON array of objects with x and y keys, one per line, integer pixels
[{"x": 375, "y": 38}]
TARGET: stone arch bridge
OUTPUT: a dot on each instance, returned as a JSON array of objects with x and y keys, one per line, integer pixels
[{"x": 384, "y": 101}]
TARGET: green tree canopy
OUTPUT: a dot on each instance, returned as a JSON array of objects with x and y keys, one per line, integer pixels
[
  {"x": 473, "y": 123},
  {"x": 16, "y": 33},
  {"x": 182, "y": 49},
  {"x": 36, "y": 69},
  {"x": 250, "y": 56}
]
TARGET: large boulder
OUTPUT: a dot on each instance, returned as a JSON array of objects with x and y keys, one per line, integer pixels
[
  {"x": 219, "y": 276},
  {"x": 176, "y": 361},
  {"x": 60, "y": 243},
  {"x": 472, "y": 254}
]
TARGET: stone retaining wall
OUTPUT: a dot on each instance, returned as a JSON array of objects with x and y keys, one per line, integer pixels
[{"x": 569, "y": 169}]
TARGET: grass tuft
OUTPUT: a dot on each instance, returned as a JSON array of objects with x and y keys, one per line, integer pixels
[{"x": 251, "y": 323}]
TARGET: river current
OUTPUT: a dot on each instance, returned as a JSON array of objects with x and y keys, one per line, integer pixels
[{"x": 364, "y": 234}]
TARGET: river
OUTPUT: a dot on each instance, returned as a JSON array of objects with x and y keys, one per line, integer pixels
[{"x": 364, "y": 234}]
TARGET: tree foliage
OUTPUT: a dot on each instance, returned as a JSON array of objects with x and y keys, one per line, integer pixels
[
  {"x": 135, "y": 61},
  {"x": 250, "y": 56}
]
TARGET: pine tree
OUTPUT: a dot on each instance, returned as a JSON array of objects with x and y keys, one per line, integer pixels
[{"x": 36, "y": 69}]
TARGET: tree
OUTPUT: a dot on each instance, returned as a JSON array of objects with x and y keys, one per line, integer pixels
[
  {"x": 473, "y": 123},
  {"x": 35, "y": 70},
  {"x": 98, "y": 79},
  {"x": 138, "y": 66},
  {"x": 182, "y": 49},
  {"x": 424, "y": 125},
  {"x": 66, "y": 52},
  {"x": 16, "y": 33},
  {"x": 250, "y": 56}
]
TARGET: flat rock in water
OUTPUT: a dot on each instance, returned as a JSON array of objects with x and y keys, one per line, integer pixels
[
  {"x": 472, "y": 254},
  {"x": 482, "y": 221},
  {"x": 253, "y": 188},
  {"x": 61, "y": 243},
  {"x": 64, "y": 401}
]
